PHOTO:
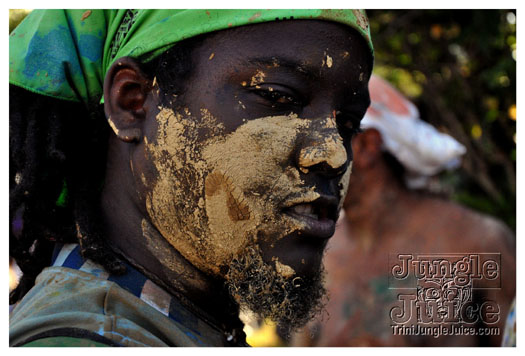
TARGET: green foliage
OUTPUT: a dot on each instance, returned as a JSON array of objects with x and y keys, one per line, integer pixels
[{"x": 459, "y": 68}]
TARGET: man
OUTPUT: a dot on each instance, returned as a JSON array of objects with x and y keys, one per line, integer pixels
[
  {"x": 219, "y": 183},
  {"x": 386, "y": 222}
]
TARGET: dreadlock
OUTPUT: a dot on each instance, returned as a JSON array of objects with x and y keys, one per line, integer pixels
[
  {"x": 56, "y": 147},
  {"x": 54, "y": 144}
]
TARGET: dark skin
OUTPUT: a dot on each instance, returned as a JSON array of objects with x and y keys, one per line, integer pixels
[{"x": 291, "y": 55}]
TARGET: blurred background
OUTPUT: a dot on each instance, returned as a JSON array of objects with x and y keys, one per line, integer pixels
[{"x": 459, "y": 68}]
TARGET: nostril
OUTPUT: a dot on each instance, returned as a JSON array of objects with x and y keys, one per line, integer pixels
[
  {"x": 326, "y": 170},
  {"x": 341, "y": 170}
]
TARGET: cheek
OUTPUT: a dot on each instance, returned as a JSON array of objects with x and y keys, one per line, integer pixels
[
  {"x": 175, "y": 201},
  {"x": 211, "y": 199},
  {"x": 250, "y": 176},
  {"x": 230, "y": 219}
]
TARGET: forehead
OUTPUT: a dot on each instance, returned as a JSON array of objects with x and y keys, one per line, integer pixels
[
  {"x": 329, "y": 54},
  {"x": 295, "y": 33},
  {"x": 297, "y": 37}
]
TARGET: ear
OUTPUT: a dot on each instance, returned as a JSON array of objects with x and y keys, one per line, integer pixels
[
  {"x": 366, "y": 147},
  {"x": 125, "y": 90}
]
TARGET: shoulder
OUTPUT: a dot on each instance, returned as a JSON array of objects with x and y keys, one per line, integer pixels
[
  {"x": 486, "y": 229},
  {"x": 65, "y": 299},
  {"x": 74, "y": 304},
  {"x": 468, "y": 223}
]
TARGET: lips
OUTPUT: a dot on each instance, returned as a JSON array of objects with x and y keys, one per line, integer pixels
[{"x": 318, "y": 216}]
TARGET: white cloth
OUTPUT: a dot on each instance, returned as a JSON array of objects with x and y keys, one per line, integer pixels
[{"x": 420, "y": 148}]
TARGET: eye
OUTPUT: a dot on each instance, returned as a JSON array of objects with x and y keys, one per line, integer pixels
[{"x": 277, "y": 96}]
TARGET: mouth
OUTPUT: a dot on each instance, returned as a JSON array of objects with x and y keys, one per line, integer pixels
[{"x": 318, "y": 216}]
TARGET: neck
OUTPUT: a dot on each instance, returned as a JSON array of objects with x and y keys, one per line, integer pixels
[{"x": 131, "y": 234}]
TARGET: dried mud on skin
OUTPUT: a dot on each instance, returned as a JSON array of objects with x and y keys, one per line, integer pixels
[{"x": 236, "y": 182}]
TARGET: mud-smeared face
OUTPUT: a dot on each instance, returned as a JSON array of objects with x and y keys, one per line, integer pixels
[
  {"x": 214, "y": 196},
  {"x": 255, "y": 154}
]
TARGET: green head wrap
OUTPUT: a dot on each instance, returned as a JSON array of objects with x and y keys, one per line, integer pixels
[{"x": 65, "y": 53}]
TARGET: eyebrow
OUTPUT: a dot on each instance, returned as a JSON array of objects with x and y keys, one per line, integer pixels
[{"x": 286, "y": 63}]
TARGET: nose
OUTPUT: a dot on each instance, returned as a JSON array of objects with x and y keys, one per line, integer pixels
[{"x": 323, "y": 151}]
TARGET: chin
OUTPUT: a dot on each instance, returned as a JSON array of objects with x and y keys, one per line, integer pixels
[{"x": 289, "y": 299}]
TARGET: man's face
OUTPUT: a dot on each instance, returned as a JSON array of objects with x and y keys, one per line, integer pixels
[{"x": 255, "y": 154}]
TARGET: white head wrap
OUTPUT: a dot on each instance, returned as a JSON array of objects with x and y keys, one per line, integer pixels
[{"x": 417, "y": 145}]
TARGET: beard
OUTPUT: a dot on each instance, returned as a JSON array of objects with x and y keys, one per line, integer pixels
[{"x": 290, "y": 302}]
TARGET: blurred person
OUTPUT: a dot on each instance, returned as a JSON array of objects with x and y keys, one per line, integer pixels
[{"x": 387, "y": 218}]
